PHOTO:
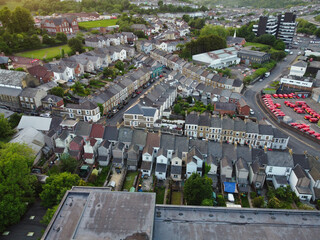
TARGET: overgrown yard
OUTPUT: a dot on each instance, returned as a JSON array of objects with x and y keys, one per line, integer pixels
[
  {"x": 101, "y": 178},
  {"x": 245, "y": 202},
  {"x": 176, "y": 198},
  {"x": 260, "y": 46},
  {"x": 47, "y": 53},
  {"x": 160, "y": 195},
  {"x": 129, "y": 180},
  {"x": 99, "y": 23}
]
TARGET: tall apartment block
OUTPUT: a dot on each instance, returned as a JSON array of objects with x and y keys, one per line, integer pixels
[{"x": 282, "y": 27}]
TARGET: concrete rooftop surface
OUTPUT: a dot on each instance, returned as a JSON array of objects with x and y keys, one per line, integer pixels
[{"x": 93, "y": 213}]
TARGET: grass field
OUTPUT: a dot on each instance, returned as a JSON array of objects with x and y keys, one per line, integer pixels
[
  {"x": 45, "y": 52},
  {"x": 99, "y": 23},
  {"x": 176, "y": 198},
  {"x": 260, "y": 45},
  {"x": 129, "y": 180}
]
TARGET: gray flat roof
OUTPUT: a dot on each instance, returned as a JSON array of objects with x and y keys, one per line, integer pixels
[
  {"x": 187, "y": 222},
  {"x": 92, "y": 213},
  {"x": 98, "y": 213}
]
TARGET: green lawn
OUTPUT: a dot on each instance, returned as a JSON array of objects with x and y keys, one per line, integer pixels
[
  {"x": 99, "y": 23},
  {"x": 47, "y": 53},
  {"x": 176, "y": 198},
  {"x": 129, "y": 180},
  {"x": 160, "y": 195}
]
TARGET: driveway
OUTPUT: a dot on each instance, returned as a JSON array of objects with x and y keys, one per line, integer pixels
[{"x": 117, "y": 178}]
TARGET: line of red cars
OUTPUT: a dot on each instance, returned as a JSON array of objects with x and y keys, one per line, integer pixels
[
  {"x": 305, "y": 128},
  {"x": 301, "y": 107},
  {"x": 274, "y": 107},
  {"x": 290, "y": 95}
]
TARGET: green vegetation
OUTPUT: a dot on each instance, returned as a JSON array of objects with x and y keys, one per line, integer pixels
[
  {"x": 282, "y": 197},
  {"x": 49, "y": 214},
  {"x": 160, "y": 195},
  {"x": 96, "y": 84},
  {"x": 182, "y": 106},
  {"x": 129, "y": 180},
  {"x": 56, "y": 186},
  {"x": 201, "y": 45},
  {"x": 258, "y": 202},
  {"x": 6, "y": 129},
  {"x": 317, "y": 18},
  {"x": 221, "y": 201},
  {"x": 68, "y": 163},
  {"x": 16, "y": 183},
  {"x": 57, "y": 91},
  {"x": 245, "y": 202},
  {"x": 10, "y": 4},
  {"x": 99, "y": 180},
  {"x": 176, "y": 198},
  {"x": 99, "y": 23},
  {"x": 197, "y": 188},
  {"x": 46, "y": 53},
  {"x": 308, "y": 28},
  {"x": 80, "y": 89}
]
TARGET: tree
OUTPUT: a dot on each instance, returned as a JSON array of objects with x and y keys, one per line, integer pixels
[
  {"x": 16, "y": 183},
  {"x": 197, "y": 188},
  {"x": 266, "y": 39},
  {"x": 57, "y": 91},
  {"x": 108, "y": 72},
  {"x": 62, "y": 37},
  {"x": 22, "y": 21},
  {"x": 56, "y": 186},
  {"x": 189, "y": 99},
  {"x": 177, "y": 108},
  {"x": 5, "y": 127},
  {"x": 119, "y": 65},
  {"x": 258, "y": 202},
  {"x": 207, "y": 168},
  {"x": 279, "y": 45},
  {"x": 46, "y": 39},
  {"x": 186, "y": 18},
  {"x": 274, "y": 203},
  {"x": 214, "y": 30},
  {"x": 76, "y": 45},
  {"x": 221, "y": 201},
  {"x": 49, "y": 214},
  {"x": 68, "y": 163},
  {"x": 14, "y": 120},
  {"x": 140, "y": 34}
]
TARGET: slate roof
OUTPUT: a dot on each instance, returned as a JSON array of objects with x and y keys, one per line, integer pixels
[
  {"x": 142, "y": 110},
  {"x": 252, "y": 127},
  {"x": 181, "y": 144},
  {"x": 226, "y": 162},
  {"x": 83, "y": 129},
  {"x": 64, "y": 134},
  {"x": 86, "y": 105},
  {"x": 280, "y": 158},
  {"x": 265, "y": 129},
  {"x": 204, "y": 120},
  {"x": 125, "y": 135},
  {"x": 239, "y": 125},
  {"x": 167, "y": 142},
  {"x": 192, "y": 118},
  {"x": 77, "y": 140},
  {"x": 110, "y": 133},
  {"x": 139, "y": 137},
  {"x": 146, "y": 165},
  {"x": 161, "y": 167},
  {"x": 227, "y": 123},
  {"x": 201, "y": 145},
  {"x": 194, "y": 152},
  {"x": 302, "y": 160},
  {"x": 281, "y": 179},
  {"x": 216, "y": 122},
  {"x": 242, "y": 164},
  {"x": 300, "y": 64},
  {"x": 299, "y": 172},
  {"x": 12, "y": 78},
  {"x": 215, "y": 149},
  {"x": 278, "y": 134},
  {"x": 225, "y": 106},
  {"x": 176, "y": 169},
  {"x": 53, "y": 98}
]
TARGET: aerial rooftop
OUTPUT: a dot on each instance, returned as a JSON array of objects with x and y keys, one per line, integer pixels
[{"x": 98, "y": 213}]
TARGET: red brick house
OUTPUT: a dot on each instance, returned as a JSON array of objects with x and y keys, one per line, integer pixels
[
  {"x": 77, "y": 144},
  {"x": 67, "y": 25},
  {"x": 41, "y": 73},
  {"x": 243, "y": 108}
]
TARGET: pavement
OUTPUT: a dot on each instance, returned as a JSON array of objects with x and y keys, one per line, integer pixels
[
  {"x": 298, "y": 143},
  {"x": 20, "y": 230}
]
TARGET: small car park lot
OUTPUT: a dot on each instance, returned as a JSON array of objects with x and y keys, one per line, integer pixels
[{"x": 299, "y": 118}]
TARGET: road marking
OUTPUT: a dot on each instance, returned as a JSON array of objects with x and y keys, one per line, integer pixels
[{"x": 271, "y": 120}]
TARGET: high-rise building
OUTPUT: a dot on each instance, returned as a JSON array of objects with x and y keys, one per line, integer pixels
[{"x": 282, "y": 27}]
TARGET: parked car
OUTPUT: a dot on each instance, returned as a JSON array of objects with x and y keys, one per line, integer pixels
[
  {"x": 313, "y": 120},
  {"x": 251, "y": 112}
]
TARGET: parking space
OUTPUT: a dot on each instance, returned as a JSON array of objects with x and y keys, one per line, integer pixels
[{"x": 299, "y": 118}]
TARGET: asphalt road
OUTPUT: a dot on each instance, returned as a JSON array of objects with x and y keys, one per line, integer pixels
[
  {"x": 117, "y": 118},
  {"x": 298, "y": 143}
]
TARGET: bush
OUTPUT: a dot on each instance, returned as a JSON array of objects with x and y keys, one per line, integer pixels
[
  {"x": 221, "y": 201},
  {"x": 253, "y": 195},
  {"x": 258, "y": 202}
]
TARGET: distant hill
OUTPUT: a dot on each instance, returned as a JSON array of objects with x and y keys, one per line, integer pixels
[{"x": 255, "y": 3}]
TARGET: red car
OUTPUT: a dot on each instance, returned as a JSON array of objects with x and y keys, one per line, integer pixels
[
  {"x": 280, "y": 95},
  {"x": 278, "y": 105},
  {"x": 300, "y": 111},
  {"x": 275, "y": 95},
  {"x": 307, "y": 117},
  {"x": 313, "y": 120},
  {"x": 285, "y": 95}
]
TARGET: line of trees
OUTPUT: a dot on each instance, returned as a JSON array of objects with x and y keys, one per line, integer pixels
[{"x": 307, "y": 28}]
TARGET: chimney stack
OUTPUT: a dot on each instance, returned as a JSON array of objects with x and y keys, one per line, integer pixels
[{"x": 265, "y": 149}]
